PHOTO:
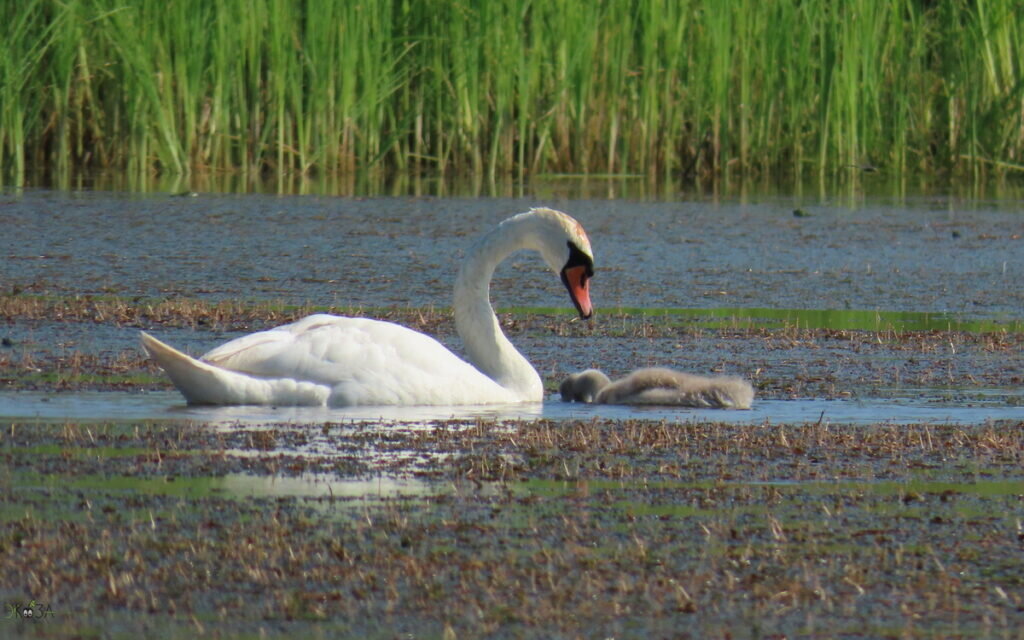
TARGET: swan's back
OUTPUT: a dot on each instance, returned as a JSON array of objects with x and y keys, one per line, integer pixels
[
  {"x": 362, "y": 361},
  {"x": 325, "y": 359}
]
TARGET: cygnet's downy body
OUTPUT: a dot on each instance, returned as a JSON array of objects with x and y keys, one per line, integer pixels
[{"x": 657, "y": 386}]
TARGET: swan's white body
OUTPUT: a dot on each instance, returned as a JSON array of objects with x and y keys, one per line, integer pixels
[
  {"x": 337, "y": 361},
  {"x": 658, "y": 386},
  {"x": 329, "y": 360}
]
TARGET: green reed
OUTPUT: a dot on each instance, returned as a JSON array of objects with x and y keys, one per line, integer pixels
[{"x": 511, "y": 87}]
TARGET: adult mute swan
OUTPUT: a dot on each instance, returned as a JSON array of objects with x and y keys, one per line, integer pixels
[
  {"x": 658, "y": 386},
  {"x": 336, "y": 361}
]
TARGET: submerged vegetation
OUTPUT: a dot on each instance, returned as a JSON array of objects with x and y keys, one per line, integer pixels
[{"x": 511, "y": 87}]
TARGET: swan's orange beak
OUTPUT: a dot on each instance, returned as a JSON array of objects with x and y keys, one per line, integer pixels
[{"x": 577, "y": 281}]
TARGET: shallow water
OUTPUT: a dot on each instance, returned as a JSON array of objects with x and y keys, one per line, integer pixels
[
  {"x": 928, "y": 254},
  {"x": 152, "y": 406}
]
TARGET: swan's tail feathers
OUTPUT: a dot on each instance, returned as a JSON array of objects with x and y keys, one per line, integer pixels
[
  {"x": 203, "y": 383},
  {"x": 199, "y": 382}
]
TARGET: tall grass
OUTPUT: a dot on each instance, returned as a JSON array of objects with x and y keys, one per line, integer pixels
[{"x": 511, "y": 87}]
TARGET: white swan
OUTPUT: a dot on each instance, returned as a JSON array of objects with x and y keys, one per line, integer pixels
[
  {"x": 658, "y": 386},
  {"x": 335, "y": 361}
]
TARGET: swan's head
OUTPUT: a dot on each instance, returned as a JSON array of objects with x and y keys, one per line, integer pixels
[
  {"x": 583, "y": 386},
  {"x": 568, "y": 253}
]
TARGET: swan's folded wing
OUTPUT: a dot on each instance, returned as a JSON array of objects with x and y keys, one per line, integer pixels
[
  {"x": 282, "y": 351},
  {"x": 250, "y": 353},
  {"x": 367, "y": 361}
]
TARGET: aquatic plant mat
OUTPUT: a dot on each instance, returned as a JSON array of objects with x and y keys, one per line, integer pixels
[{"x": 513, "y": 529}]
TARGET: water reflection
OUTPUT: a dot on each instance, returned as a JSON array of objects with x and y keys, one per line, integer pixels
[
  {"x": 847, "y": 188},
  {"x": 317, "y": 415},
  {"x": 318, "y": 485}
]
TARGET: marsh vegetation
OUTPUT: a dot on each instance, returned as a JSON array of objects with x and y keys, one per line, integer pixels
[{"x": 511, "y": 87}]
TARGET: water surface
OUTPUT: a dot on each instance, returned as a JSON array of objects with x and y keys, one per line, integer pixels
[
  {"x": 928, "y": 254},
  {"x": 152, "y": 406}
]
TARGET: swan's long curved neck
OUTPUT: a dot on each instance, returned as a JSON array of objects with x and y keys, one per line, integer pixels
[{"x": 486, "y": 346}]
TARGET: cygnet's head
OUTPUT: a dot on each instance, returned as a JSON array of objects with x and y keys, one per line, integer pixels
[{"x": 583, "y": 386}]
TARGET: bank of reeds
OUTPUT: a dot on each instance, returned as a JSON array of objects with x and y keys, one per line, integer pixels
[{"x": 661, "y": 87}]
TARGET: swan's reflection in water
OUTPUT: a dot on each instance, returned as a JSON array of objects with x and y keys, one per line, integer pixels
[
  {"x": 244, "y": 485},
  {"x": 405, "y": 416}
]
